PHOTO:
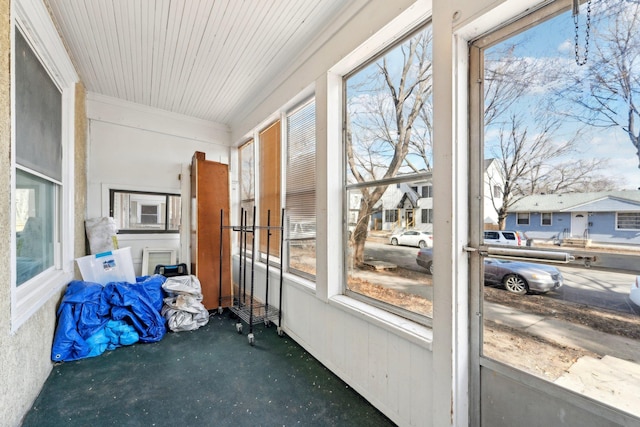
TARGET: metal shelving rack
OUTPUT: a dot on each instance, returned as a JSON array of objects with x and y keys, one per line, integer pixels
[{"x": 246, "y": 307}]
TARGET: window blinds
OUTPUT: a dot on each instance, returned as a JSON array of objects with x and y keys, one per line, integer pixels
[{"x": 301, "y": 172}]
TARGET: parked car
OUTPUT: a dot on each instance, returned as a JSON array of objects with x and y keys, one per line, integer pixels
[
  {"x": 516, "y": 276},
  {"x": 634, "y": 292},
  {"x": 425, "y": 259},
  {"x": 505, "y": 237},
  {"x": 421, "y": 239}
]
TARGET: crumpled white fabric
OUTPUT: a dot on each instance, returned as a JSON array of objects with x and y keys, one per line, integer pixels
[{"x": 183, "y": 307}]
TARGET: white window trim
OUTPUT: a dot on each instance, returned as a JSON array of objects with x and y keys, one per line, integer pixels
[
  {"x": 33, "y": 19},
  {"x": 625, "y": 229},
  {"x": 542, "y": 224},
  {"x": 518, "y": 218}
]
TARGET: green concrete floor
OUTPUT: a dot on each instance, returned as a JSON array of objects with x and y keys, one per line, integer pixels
[{"x": 208, "y": 377}]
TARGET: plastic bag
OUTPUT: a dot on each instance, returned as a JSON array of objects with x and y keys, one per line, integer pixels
[{"x": 183, "y": 307}]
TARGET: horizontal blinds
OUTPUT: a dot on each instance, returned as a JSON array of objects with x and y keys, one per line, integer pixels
[{"x": 301, "y": 172}]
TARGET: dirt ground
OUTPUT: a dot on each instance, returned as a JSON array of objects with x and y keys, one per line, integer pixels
[{"x": 512, "y": 346}]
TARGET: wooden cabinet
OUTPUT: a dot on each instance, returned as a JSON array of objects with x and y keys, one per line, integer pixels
[{"x": 210, "y": 195}]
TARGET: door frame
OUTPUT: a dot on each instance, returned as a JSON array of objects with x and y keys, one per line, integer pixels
[{"x": 578, "y": 223}]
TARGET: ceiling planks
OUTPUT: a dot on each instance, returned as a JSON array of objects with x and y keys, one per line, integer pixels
[{"x": 203, "y": 58}]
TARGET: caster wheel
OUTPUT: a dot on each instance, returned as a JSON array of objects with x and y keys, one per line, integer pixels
[
  {"x": 239, "y": 327},
  {"x": 267, "y": 323},
  {"x": 251, "y": 339},
  {"x": 280, "y": 332},
  {"x": 220, "y": 310}
]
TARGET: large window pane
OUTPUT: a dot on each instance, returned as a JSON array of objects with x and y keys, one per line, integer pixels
[
  {"x": 35, "y": 225},
  {"x": 388, "y": 176},
  {"x": 561, "y": 142},
  {"x": 301, "y": 189}
]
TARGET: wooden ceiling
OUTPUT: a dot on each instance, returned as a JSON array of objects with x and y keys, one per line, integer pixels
[{"x": 208, "y": 59}]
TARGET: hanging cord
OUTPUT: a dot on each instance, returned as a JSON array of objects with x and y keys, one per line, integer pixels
[{"x": 576, "y": 15}]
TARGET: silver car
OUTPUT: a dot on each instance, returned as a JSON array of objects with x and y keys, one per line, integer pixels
[{"x": 516, "y": 276}]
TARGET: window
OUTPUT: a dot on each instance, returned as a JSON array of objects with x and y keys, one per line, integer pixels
[
  {"x": 301, "y": 189},
  {"x": 522, "y": 218},
  {"x": 391, "y": 215},
  {"x": 427, "y": 191},
  {"x": 38, "y": 164},
  {"x": 387, "y": 140},
  {"x": 532, "y": 101},
  {"x": 145, "y": 212},
  {"x": 36, "y": 225},
  {"x": 247, "y": 179},
  {"x": 270, "y": 183},
  {"x": 42, "y": 185},
  {"x": 497, "y": 191},
  {"x": 427, "y": 216},
  {"x": 628, "y": 221}
]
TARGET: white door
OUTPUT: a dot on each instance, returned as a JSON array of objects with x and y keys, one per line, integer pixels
[{"x": 579, "y": 221}]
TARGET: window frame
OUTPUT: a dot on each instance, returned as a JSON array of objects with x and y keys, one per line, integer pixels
[
  {"x": 428, "y": 212},
  {"x": 520, "y": 218},
  {"x": 285, "y": 170},
  {"x": 397, "y": 180},
  {"x": 636, "y": 219},
  {"x": 542, "y": 219},
  {"x": 32, "y": 19},
  {"x": 167, "y": 196},
  {"x": 480, "y": 361}
]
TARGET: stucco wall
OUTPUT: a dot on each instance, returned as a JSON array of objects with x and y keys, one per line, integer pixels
[
  {"x": 24, "y": 355},
  {"x": 80, "y": 163}
]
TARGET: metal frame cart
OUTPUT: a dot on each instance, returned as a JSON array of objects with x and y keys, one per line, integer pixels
[{"x": 246, "y": 307}]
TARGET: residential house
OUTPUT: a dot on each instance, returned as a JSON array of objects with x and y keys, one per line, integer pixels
[
  {"x": 410, "y": 205},
  {"x": 606, "y": 217}
]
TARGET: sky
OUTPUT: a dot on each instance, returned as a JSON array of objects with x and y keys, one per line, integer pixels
[{"x": 553, "y": 41}]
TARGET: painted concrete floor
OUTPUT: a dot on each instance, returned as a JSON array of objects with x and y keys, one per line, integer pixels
[{"x": 208, "y": 377}]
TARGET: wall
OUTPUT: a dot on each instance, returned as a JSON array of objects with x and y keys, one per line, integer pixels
[
  {"x": 132, "y": 147},
  {"x": 25, "y": 354}
]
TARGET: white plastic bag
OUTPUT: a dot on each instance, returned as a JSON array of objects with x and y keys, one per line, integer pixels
[
  {"x": 101, "y": 233},
  {"x": 183, "y": 307}
]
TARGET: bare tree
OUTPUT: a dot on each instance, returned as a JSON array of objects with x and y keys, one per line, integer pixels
[
  {"x": 607, "y": 91},
  {"x": 521, "y": 151},
  {"x": 380, "y": 126},
  {"x": 573, "y": 176},
  {"x": 531, "y": 155},
  {"x": 507, "y": 77}
]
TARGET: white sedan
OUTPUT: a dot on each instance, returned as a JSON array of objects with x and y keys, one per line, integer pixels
[{"x": 421, "y": 239}]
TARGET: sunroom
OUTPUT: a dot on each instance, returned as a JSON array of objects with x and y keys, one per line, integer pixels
[{"x": 316, "y": 109}]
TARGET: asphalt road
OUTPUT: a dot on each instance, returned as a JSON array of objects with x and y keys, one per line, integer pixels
[{"x": 597, "y": 286}]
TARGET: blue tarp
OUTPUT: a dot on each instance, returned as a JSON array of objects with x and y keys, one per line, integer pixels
[{"x": 93, "y": 318}]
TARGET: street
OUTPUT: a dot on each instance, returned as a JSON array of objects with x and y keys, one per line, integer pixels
[{"x": 595, "y": 287}]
